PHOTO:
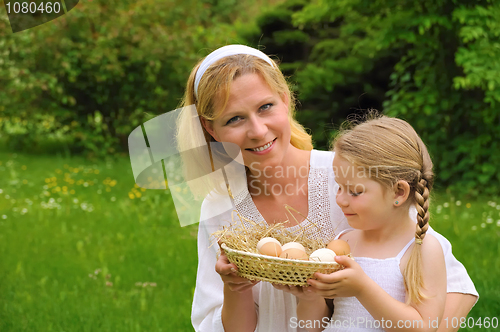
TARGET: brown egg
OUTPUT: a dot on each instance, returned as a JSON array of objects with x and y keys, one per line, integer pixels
[
  {"x": 340, "y": 247},
  {"x": 270, "y": 249},
  {"x": 294, "y": 253}
]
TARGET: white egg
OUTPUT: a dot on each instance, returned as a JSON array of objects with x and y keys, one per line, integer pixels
[
  {"x": 323, "y": 255},
  {"x": 266, "y": 240},
  {"x": 294, "y": 245}
]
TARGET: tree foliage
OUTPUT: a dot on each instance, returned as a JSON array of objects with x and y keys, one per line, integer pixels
[
  {"x": 90, "y": 77},
  {"x": 434, "y": 63}
]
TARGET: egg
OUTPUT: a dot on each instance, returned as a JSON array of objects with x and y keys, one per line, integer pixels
[
  {"x": 271, "y": 249},
  {"x": 294, "y": 253},
  {"x": 341, "y": 247},
  {"x": 323, "y": 255},
  {"x": 294, "y": 245},
  {"x": 266, "y": 240}
]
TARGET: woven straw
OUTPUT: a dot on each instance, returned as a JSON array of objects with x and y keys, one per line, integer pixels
[{"x": 277, "y": 270}]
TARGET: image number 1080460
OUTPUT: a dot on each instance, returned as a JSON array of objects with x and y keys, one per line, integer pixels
[{"x": 28, "y": 14}]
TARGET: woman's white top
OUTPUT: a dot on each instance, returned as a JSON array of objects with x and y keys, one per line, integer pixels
[
  {"x": 276, "y": 309},
  {"x": 349, "y": 314}
]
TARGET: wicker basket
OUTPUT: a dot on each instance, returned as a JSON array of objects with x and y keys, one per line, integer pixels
[{"x": 277, "y": 270}]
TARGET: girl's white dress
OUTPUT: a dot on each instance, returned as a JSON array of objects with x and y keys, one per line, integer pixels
[
  {"x": 350, "y": 315},
  {"x": 276, "y": 310}
]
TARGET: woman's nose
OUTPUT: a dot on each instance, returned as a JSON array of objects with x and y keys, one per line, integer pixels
[{"x": 257, "y": 128}]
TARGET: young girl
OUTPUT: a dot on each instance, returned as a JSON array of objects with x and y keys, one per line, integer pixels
[{"x": 397, "y": 279}]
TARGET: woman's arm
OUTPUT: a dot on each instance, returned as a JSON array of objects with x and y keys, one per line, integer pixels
[
  {"x": 215, "y": 306},
  {"x": 352, "y": 281},
  {"x": 462, "y": 294}
]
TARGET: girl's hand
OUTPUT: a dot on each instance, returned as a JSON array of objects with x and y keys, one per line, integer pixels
[
  {"x": 227, "y": 272},
  {"x": 303, "y": 293},
  {"x": 344, "y": 283}
]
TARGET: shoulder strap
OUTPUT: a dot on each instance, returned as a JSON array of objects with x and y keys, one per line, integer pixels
[
  {"x": 321, "y": 159},
  {"x": 402, "y": 252},
  {"x": 343, "y": 232}
]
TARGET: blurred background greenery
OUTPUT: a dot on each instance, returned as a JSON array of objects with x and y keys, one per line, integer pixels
[{"x": 72, "y": 90}]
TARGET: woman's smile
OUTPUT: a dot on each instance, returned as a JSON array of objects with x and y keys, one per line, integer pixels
[{"x": 264, "y": 148}]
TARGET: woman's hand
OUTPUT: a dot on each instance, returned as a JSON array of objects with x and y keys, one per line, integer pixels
[
  {"x": 303, "y": 293},
  {"x": 344, "y": 283},
  {"x": 227, "y": 272}
]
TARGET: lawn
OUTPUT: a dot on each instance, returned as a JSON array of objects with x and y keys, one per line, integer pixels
[{"x": 84, "y": 249}]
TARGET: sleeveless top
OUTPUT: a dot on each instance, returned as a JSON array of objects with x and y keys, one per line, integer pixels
[{"x": 349, "y": 314}]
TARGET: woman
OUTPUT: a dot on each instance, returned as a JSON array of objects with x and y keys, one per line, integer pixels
[{"x": 242, "y": 97}]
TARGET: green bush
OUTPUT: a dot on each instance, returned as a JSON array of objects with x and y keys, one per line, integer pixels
[
  {"x": 433, "y": 63},
  {"x": 101, "y": 70}
]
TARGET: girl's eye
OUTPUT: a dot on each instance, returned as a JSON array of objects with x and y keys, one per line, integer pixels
[
  {"x": 266, "y": 107},
  {"x": 233, "y": 120},
  {"x": 355, "y": 194}
]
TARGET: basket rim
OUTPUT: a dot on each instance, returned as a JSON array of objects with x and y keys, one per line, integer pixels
[{"x": 278, "y": 259}]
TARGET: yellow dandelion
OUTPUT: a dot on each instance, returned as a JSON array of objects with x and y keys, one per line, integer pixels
[
  {"x": 53, "y": 178},
  {"x": 150, "y": 179},
  {"x": 64, "y": 188},
  {"x": 25, "y": 181},
  {"x": 58, "y": 171},
  {"x": 79, "y": 182},
  {"x": 136, "y": 185},
  {"x": 468, "y": 205},
  {"x": 72, "y": 192},
  {"x": 47, "y": 180},
  {"x": 138, "y": 194},
  {"x": 143, "y": 189},
  {"x": 131, "y": 195},
  {"x": 23, "y": 167},
  {"x": 112, "y": 183}
]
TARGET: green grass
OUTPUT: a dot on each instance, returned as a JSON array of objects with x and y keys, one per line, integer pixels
[{"x": 95, "y": 259}]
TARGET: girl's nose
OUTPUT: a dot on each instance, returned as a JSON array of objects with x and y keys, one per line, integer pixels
[
  {"x": 257, "y": 128},
  {"x": 341, "y": 198}
]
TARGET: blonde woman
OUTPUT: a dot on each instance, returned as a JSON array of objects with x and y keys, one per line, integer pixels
[{"x": 241, "y": 97}]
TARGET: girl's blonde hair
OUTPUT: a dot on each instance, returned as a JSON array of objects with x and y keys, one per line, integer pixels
[
  {"x": 213, "y": 94},
  {"x": 393, "y": 148}
]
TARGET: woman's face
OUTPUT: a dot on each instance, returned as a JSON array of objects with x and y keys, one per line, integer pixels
[{"x": 256, "y": 119}]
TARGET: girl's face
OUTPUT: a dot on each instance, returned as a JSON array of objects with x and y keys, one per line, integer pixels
[
  {"x": 366, "y": 203},
  {"x": 256, "y": 119}
]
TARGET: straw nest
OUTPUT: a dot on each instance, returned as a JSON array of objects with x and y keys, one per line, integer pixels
[{"x": 239, "y": 243}]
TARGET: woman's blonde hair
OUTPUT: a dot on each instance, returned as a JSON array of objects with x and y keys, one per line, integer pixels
[
  {"x": 213, "y": 94},
  {"x": 393, "y": 148},
  {"x": 216, "y": 83}
]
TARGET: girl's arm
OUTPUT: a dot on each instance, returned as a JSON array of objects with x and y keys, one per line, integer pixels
[{"x": 352, "y": 281}]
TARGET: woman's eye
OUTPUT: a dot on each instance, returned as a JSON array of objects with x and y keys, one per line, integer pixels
[
  {"x": 233, "y": 120},
  {"x": 266, "y": 107}
]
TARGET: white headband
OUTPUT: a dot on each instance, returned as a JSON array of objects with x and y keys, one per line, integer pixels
[{"x": 224, "y": 52}]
